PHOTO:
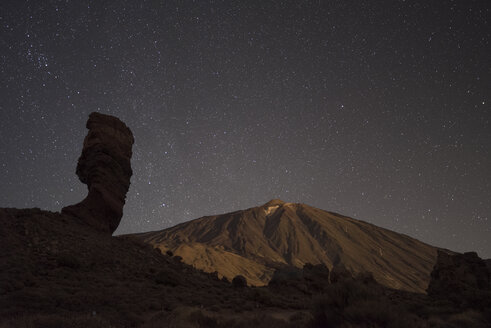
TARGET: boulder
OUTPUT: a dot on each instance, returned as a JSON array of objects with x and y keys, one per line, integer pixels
[{"x": 105, "y": 168}]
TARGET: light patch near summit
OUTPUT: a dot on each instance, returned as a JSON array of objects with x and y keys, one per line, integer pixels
[
  {"x": 270, "y": 209},
  {"x": 280, "y": 233}
]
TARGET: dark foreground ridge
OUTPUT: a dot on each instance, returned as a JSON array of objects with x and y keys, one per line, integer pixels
[
  {"x": 105, "y": 168},
  {"x": 57, "y": 271}
]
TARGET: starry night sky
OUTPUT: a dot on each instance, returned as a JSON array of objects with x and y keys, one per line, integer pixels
[{"x": 379, "y": 110}]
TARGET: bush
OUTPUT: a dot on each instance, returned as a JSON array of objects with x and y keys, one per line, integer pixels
[
  {"x": 379, "y": 314},
  {"x": 55, "y": 321},
  {"x": 69, "y": 261},
  {"x": 263, "y": 296},
  {"x": 469, "y": 318},
  {"x": 297, "y": 316},
  {"x": 166, "y": 278},
  {"x": 353, "y": 303},
  {"x": 203, "y": 320},
  {"x": 261, "y": 320},
  {"x": 239, "y": 281},
  {"x": 285, "y": 276}
]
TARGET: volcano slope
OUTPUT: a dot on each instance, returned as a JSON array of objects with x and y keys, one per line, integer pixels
[
  {"x": 59, "y": 272},
  {"x": 257, "y": 241}
]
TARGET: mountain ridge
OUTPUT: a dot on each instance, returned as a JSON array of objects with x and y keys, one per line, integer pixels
[{"x": 256, "y": 241}]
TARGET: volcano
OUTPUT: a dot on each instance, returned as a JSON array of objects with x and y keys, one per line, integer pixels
[{"x": 257, "y": 241}]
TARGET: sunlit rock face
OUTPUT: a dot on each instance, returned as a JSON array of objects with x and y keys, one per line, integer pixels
[{"x": 105, "y": 167}]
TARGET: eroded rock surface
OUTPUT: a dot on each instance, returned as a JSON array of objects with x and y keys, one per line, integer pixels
[
  {"x": 459, "y": 273},
  {"x": 105, "y": 167}
]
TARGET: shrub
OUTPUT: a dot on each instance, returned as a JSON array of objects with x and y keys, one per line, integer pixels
[
  {"x": 285, "y": 276},
  {"x": 153, "y": 305},
  {"x": 214, "y": 276},
  {"x": 239, "y": 281},
  {"x": 215, "y": 308},
  {"x": 68, "y": 260},
  {"x": 353, "y": 303},
  {"x": 261, "y": 320},
  {"x": 379, "y": 313},
  {"x": 55, "y": 321},
  {"x": 166, "y": 278},
  {"x": 297, "y": 316},
  {"x": 469, "y": 318},
  {"x": 263, "y": 296},
  {"x": 203, "y": 320}
]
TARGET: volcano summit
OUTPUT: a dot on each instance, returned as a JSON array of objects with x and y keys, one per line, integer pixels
[{"x": 257, "y": 241}]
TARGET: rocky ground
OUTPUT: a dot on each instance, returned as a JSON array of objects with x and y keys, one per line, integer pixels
[{"x": 56, "y": 271}]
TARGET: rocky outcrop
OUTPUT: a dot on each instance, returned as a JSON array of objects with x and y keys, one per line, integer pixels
[
  {"x": 459, "y": 274},
  {"x": 319, "y": 271},
  {"x": 340, "y": 273},
  {"x": 106, "y": 169},
  {"x": 488, "y": 263},
  {"x": 286, "y": 275}
]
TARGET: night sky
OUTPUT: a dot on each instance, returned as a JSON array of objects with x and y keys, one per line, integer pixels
[{"x": 379, "y": 110}]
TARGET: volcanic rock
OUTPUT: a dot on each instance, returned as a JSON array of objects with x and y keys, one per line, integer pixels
[
  {"x": 106, "y": 169},
  {"x": 311, "y": 271},
  {"x": 488, "y": 263},
  {"x": 286, "y": 275},
  {"x": 340, "y": 273},
  {"x": 459, "y": 273}
]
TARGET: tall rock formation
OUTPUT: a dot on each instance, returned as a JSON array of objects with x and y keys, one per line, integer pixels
[{"x": 105, "y": 168}]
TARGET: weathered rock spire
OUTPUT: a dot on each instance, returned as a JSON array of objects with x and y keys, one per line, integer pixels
[{"x": 105, "y": 168}]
